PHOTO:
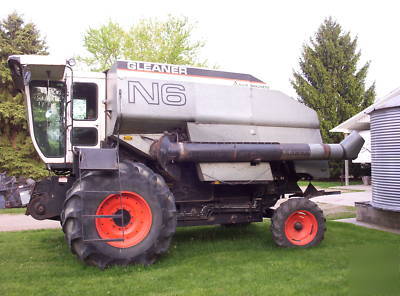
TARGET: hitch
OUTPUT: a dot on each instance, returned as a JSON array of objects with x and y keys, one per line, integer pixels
[{"x": 311, "y": 192}]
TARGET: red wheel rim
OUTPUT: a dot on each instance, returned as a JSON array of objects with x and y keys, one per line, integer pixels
[
  {"x": 136, "y": 222},
  {"x": 301, "y": 227}
]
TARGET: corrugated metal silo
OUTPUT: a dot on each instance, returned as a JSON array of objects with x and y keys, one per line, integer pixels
[{"x": 385, "y": 144}]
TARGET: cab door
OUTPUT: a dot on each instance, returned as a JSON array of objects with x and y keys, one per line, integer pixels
[{"x": 87, "y": 112}]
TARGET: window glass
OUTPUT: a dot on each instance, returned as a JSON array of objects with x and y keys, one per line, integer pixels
[
  {"x": 84, "y": 136},
  {"x": 80, "y": 108},
  {"x": 47, "y": 103},
  {"x": 85, "y": 101}
]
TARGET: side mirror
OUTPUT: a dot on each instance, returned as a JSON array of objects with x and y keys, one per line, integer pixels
[
  {"x": 71, "y": 62},
  {"x": 17, "y": 76}
]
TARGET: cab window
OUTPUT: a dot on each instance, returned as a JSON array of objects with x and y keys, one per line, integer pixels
[
  {"x": 84, "y": 136},
  {"x": 85, "y": 101},
  {"x": 47, "y": 104}
]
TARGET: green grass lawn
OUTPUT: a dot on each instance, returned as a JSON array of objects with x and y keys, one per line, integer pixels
[
  {"x": 13, "y": 211},
  {"x": 327, "y": 184},
  {"x": 201, "y": 261}
]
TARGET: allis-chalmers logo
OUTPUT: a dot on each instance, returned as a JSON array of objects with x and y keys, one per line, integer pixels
[{"x": 168, "y": 93}]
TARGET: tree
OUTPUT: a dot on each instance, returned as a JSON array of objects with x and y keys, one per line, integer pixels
[
  {"x": 104, "y": 45},
  {"x": 329, "y": 80},
  {"x": 149, "y": 40},
  {"x": 17, "y": 155}
]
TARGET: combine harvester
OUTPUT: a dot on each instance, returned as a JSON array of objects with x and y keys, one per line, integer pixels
[{"x": 143, "y": 148}]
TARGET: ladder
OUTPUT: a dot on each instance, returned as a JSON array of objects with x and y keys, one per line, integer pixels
[{"x": 95, "y": 159}]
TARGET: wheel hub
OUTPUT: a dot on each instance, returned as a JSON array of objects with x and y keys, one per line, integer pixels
[
  {"x": 132, "y": 226},
  {"x": 301, "y": 227},
  {"x": 124, "y": 220},
  {"x": 298, "y": 226}
]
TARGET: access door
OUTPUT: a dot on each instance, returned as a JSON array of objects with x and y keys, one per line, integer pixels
[{"x": 87, "y": 129}]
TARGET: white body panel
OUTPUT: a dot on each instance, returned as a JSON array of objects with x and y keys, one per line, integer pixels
[{"x": 237, "y": 171}]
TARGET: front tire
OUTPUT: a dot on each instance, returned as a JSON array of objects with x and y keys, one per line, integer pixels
[
  {"x": 298, "y": 222},
  {"x": 147, "y": 208}
]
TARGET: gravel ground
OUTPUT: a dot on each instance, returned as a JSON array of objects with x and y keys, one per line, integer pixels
[{"x": 22, "y": 222}]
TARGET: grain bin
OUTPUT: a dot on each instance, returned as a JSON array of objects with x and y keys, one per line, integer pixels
[{"x": 385, "y": 144}]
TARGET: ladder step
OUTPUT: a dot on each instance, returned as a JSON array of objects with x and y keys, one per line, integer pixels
[
  {"x": 104, "y": 240},
  {"x": 98, "y": 159},
  {"x": 104, "y": 216}
]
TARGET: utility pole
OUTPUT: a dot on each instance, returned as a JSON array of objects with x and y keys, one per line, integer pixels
[{"x": 346, "y": 169}]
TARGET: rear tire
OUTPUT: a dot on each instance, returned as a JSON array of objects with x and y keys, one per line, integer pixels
[
  {"x": 298, "y": 222},
  {"x": 143, "y": 192}
]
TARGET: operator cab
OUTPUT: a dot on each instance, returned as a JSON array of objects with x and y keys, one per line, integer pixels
[{"x": 53, "y": 92}]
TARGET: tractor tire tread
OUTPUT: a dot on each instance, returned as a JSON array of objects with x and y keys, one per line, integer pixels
[
  {"x": 72, "y": 224},
  {"x": 285, "y": 210}
]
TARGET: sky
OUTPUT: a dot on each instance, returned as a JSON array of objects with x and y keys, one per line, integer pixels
[{"x": 262, "y": 38}]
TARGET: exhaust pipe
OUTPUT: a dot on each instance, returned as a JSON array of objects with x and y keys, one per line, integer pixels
[{"x": 166, "y": 150}]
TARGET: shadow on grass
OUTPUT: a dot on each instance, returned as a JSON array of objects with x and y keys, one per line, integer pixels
[
  {"x": 211, "y": 233},
  {"x": 187, "y": 243}
]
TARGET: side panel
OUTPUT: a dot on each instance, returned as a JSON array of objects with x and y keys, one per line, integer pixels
[
  {"x": 236, "y": 171},
  {"x": 142, "y": 142},
  {"x": 319, "y": 169},
  {"x": 252, "y": 133}
]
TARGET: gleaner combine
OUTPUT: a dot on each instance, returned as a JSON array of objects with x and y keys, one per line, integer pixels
[{"x": 144, "y": 147}]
